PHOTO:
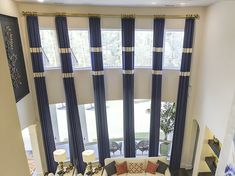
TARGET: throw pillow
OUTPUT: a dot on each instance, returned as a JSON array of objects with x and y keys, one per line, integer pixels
[
  {"x": 162, "y": 167},
  {"x": 135, "y": 168},
  {"x": 110, "y": 168},
  {"x": 151, "y": 167},
  {"x": 121, "y": 168}
]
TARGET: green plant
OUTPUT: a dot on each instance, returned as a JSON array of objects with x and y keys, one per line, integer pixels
[{"x": 167, "y": 120}]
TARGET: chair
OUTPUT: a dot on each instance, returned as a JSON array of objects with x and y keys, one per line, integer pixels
[
  {"x": 114, "y": 146},
  {"x": 142, "y": 145}
]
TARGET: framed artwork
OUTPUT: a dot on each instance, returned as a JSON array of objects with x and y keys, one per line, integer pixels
[{"x": 12, "y": 41}]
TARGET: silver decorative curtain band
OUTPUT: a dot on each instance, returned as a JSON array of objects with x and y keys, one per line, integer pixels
[
  {"x": 67, "y": 75},
  {"x": 35, "y": 50},
  {"x": 187, "y": 50},
  {"x": 38, "y": 74},
  {"x": 128, "y": 72},
  {"x": 157, "y": 72},
  {"x": 65, "y": 50},
  {"x": 128, "y": 49},
  {"x": 157, "y": 50},
  {"x": 96, "y": 49},
  {"x": 184, "y": 73},
  {"x": 97, "y": 73}
]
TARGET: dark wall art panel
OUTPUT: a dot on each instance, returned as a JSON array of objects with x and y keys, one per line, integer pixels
[{"x": 12, "y": 41}]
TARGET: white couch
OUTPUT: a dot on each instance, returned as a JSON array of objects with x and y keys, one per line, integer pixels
[{"x": 138, "y": 160}]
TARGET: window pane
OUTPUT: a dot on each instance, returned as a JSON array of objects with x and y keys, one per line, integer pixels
[
  {"x": 91, "y": 122},
  {"x": 79, "y": 42},
  {"x": 51, "y": 57},
  {"x": 111, "y": 46},
  {"x": 88, "y": 125},
  {"x": 59, "y": 125},
  {"x": 143, "y": 48},
  {"x": 115, "y": 127},
  {"x": 173, "y": 49},
  {"x": 142, "y": 125}
]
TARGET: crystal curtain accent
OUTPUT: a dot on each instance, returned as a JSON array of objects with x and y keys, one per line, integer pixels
[
  {"x": 41, "y": 91},
  {"x": 128, "y": 40},
  {"x": 99, "y": 89},
  {"x": 158, "y": 34},
  {"x": 181, "y": 106},
  {"x": 76, "y": 145}
]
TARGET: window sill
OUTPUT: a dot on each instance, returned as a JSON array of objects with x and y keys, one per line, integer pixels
[
  {"x": 52, "y": 68},
  {"x": 171, "y": 68}
]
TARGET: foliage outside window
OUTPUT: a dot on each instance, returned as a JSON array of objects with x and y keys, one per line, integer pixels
[
  {"x": 143, "y": 48},
  {"x": 112, "y": 48},
  {"x": 173, "y": 49},
  {"x": 51, "y": 57},
  {"x": 79, "y": 41}
]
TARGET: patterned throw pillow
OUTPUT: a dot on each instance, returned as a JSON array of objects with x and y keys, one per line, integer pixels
[
  {"x": 121, "y": 168},
  {"x": 151, "y": 167},
  {"x": 136, "y": 168}
]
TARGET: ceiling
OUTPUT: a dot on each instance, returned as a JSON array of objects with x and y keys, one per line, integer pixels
[{"x": 150, "y": 3}]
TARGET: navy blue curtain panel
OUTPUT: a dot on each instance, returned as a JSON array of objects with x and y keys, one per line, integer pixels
[
  {"x": 158, "y": 35},
  {"x": 99, "y": 89},
  {"x": 182, "y": 97},
  {"x": 76, "y": 145},
  {"x": 128, "y": 41},
  {"x": 41, "y": 91}
]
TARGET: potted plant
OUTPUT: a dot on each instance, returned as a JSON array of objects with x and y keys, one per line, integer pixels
[{"x": 167, "y": 121}]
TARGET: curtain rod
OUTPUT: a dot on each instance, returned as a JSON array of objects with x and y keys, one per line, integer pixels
[{"x": 195, "y": 16}]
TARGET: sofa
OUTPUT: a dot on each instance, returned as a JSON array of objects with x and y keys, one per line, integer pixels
[{"x": 138, "y": 160}]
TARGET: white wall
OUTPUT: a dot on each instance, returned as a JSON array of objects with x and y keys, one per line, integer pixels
[
  {"x": 26, "y": 114},
  {"x": 215, "y": 86},
  {"x": 113, "y": 85},
  {"x": 25, "y": 106},
  {"x": 113, "y": 79},
  {"x": 26, "y": 111},
  {"x": 13, "y": 159}
]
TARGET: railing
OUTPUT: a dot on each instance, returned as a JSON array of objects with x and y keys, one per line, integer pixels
[
  {"x": 111, "y": 140},
  {"x": 93, "y": 146}
]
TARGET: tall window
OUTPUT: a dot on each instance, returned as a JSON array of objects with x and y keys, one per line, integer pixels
[
  {"x": 112, "y": 47},
  {"x": 115, "y": 126},
  {"x": 142, "y": 126},
  {"x": 60, "y": 128},
  {"x": 59, "y": 125},
  {"x": 79, "y": 41},
  {"x": 173, "y": 49},
  {"x": 88, "y": 125},
  {"x": 91, "y": 122},
  {"x": 143, "y": 48},
  {"x": 51, "y": 57}
]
